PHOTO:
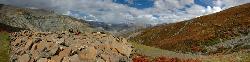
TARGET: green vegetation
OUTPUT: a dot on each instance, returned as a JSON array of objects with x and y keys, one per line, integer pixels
[{"x": 4, "y": 47}]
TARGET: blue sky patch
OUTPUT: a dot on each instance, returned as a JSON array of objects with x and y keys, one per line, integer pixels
[{"x": 139, "y": 4}]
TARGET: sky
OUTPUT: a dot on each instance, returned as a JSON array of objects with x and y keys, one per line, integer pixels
[{"x": 130, "y": 11}]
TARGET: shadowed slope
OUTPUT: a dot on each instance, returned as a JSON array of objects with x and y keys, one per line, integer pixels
[{"x": 6, "y": 28}]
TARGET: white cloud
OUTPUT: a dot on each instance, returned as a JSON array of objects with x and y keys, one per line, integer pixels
[{"x": 164, "y": 11}]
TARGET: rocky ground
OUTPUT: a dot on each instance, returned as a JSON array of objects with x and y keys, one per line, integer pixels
[{"x": 68, "y": 46}]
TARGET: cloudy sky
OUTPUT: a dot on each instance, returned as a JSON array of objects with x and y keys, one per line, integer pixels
[{"x": 130, "y": 11}]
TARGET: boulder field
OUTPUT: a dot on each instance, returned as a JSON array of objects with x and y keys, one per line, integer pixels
[{"x": 68, "y": 46}]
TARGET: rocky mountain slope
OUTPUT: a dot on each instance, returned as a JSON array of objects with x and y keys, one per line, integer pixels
[
  {"x": 55, "y": 38},
  {"x": 39, "y": 20},
  {"x": 196, "y": 34}
]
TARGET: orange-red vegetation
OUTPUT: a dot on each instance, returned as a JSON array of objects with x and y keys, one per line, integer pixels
[
  {"x": 141, "y": 58},
  {"x": 165, "y": 59},
  {"x": 182, "y": 36}
]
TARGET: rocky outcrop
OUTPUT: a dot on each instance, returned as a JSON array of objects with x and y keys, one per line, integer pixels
[
  {"x": 39, "y": 20},
  {"x": 241, "y": 43},
  {"x": 68, "y": 46}
]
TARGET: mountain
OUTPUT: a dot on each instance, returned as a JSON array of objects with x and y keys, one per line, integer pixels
[
  {"x": 39, "y": 20},
  {"x": 196, "y": 34}
]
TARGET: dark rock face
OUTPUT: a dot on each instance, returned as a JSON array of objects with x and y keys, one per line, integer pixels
[
  {"x": 27, "y": 46},
  {"x": 7, "y": 28},
  {"x": 237, "y": 44},
  {"x": 39, "y": 20}
]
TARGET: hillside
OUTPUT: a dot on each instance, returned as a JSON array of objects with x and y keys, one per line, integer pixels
[
  {"x": 196, "y": 34},
  {"x": 39, "y": 20}
]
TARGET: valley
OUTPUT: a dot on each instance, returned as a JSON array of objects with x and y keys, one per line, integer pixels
[{"x": 37, "y": 35}]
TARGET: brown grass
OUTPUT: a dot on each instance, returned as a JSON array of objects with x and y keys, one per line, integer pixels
[{"x": 169, "y": 59}]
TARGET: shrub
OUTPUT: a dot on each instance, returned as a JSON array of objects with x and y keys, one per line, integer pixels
[{"x": 140, "y": 58}]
